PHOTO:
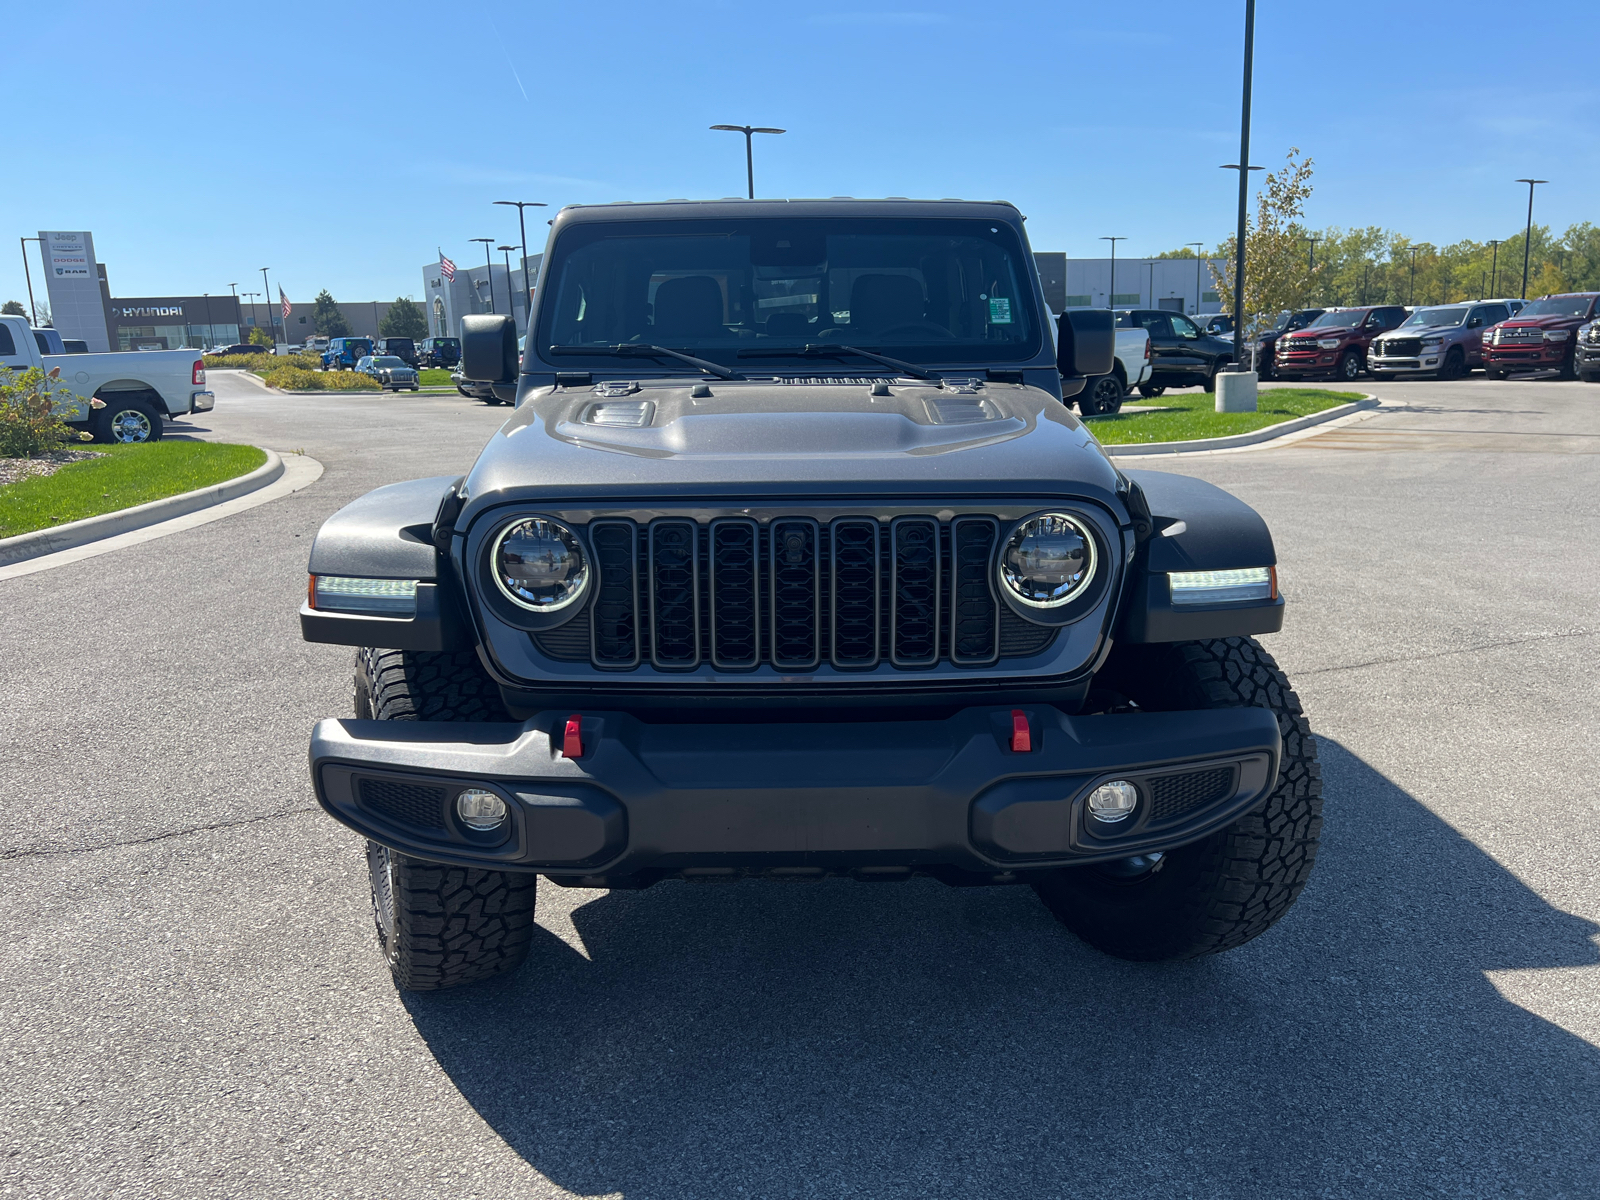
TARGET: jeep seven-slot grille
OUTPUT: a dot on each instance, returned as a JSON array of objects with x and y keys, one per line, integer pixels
[{"x": 794, "y": 593}]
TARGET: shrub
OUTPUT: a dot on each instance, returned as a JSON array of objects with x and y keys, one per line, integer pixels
[
  {"x": 29, "y": 423},
  {"x": 298, "y": 379},
  {"x": 260, "y": 363}
]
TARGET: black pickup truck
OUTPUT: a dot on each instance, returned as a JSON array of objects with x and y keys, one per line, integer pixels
[{"x": 791, "y": 562}]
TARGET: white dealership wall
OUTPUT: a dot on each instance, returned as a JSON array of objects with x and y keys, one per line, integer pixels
[{"x": 77, "y": 306}]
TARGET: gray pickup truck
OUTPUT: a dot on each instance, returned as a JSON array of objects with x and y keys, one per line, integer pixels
[{"x": 792, "y": 562}]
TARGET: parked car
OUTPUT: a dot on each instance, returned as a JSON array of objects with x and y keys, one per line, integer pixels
[
  {"x": 439, "y": 352},
  {"x": 474, "y": 389},
  {"x": 1217, "y": 325},
  {"x": 1540, "y": 337},
  {"x": 391, "y": 371},
  {"x": 1513, "y": 303},
  {"x": 1586, "y": 352},
  {"x": 732, "y": 601},
  {"x": 139, "y": 388},
  {"x": 1266, "y": 344},
  {"x": 1105, "y": 393},
  {"x": 240, "y": 348},
  {"x": 343, "y": 353},
  {"x": 317, "y": 343},
  {"x": 1445, "y": 340},
  {"x": 74, "y": 346},
  {"x": 1335, "y": 343},
  {"x": 49, "y": 341},
  {"x": 402, "y": 348},
  {"x": 1180, "y": 354}
]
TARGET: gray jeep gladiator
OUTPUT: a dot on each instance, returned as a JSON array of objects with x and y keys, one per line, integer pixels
[{"x": 791, "y": 562}]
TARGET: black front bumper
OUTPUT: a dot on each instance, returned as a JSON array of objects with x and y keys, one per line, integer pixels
[{"x": 874, "y": 799}]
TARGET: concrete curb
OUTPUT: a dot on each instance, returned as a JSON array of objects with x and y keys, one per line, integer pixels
[
  {"x": 1253, "y": 438},
  {"x": 92, "y": 529}
]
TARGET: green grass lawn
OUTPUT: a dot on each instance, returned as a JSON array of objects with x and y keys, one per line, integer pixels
[
  {"x": 434, "y": 377},
  {"x": 126, "y": 476},
  {"x": 1192, "y": 415}
]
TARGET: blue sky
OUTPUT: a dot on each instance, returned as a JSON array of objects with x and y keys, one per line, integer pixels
[{"x": 202, "y": 141}]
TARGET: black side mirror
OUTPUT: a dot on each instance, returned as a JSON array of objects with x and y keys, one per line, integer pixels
[
  {"x": 1086, "y": 342},
  {"x": 489, "y": 349}
]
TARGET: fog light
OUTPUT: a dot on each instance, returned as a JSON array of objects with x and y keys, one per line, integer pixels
[
  {"x": 1114, "y": 801},
  {"x": 480, "y": 810}
]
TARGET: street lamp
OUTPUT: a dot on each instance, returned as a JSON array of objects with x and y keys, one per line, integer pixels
[
  {"x": 749, "y": 157},
  {"x": 1111, "y": 296},
  {"x": 1244, "y": 168},
  {"x": 234, "y": 288},
  {"x": 527, "y": 288},
  {"x": 510, "y": 303},
  {"x": 1527, "y": 237},
  {"x": 272, "y": 321},
  {"x": 250, "y": 298},
  {"x": 375, "y": 329},
  {"x": 33, "y": 309},
  {"x": 1411, "y": 292},
  {"x": 1494, "y": 264},
  {"x": 211, "y": 326},
  {"x": 1198, "y": 247},
  {"x": 1151, "y": 263},
  {"x": 488, "y": 265},
  {"x": 1313, "y": 240}
]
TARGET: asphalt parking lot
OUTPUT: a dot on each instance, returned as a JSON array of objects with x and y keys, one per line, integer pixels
[{"x": 191, "y": 1004}]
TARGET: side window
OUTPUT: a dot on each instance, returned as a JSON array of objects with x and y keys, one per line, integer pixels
[
  {"x": 1392, "y": 317},
  {"x": 1493, "y": 314},
  {"x": 1184, "y": 327},
  {"x": 1158, "y": 324},
  {"x": 7, "y": 345},
  {"x": 1375, "y": 321}
]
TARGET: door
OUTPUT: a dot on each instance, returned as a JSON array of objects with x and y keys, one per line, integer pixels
[
  {"x": 12, "y": 355},
  {"x": 1191, "y": 352},
  {"x": 1479, "y": 321},
  {"x": 1166, "y": 359}
]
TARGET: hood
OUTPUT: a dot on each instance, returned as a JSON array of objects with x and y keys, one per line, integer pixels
[
  {"x": 1543, "y": 323},
  {"x": 1301, "y": 336},
  {"x": 1419, "y": 330},
  {"x": 811, "y": 437}
]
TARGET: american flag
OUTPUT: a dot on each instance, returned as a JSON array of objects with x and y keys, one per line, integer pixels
[
  {"x": 446, "y": 267},
  {"x": 284, "y": 300}
]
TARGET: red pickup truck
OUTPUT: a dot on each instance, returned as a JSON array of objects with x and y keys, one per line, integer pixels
[
  {"x": 1335, "y": 343},
  {"x": 1539, "y": 338}
]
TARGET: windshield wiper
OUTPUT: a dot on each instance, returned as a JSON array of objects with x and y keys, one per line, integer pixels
[
  {"x": 637, "y": 350},
  {"x": 833, "y": 351}
]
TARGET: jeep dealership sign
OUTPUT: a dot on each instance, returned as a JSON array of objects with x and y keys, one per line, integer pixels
[{"x": 77, "y": 308}]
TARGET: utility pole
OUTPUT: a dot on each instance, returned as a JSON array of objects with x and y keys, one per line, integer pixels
[
  {"x": 1198, "y": 248},
  {"x": 522, "y": 226},
  {"x": 1527, "y": 236},
  {"x": 272, "y": 320},
  {"x": 1494, "y": 264},
  {"x": 1411, "y": 291},
  {"x": 1244, "y": 168},
  {"x": 749, "y": 154},
  {"x": 33, "y": 309},
  {"x": 1111, "y": 296}
]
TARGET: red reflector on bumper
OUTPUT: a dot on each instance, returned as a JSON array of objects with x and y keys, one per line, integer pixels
[
  {"x": 1021, "y": 736},
  {"x": 572, "y": 740}
]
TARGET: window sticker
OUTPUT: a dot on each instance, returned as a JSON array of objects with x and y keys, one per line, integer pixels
[{"x": 999, "y": 310}]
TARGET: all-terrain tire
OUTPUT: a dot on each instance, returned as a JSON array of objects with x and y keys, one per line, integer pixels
[
  {"x": 440, "y": 926},
  {"x": 1150, "y": 390},
  {"x": 1349, "y": 368},
  {"x": 1220, "y": 892}
]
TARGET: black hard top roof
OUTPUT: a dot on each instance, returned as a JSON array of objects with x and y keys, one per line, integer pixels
[{"x": 839, "y": 206}]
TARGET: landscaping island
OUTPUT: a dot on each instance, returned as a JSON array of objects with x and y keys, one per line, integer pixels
[
  {"x": 1192, "y": 416},
  {"x": 119, "y": 477}
]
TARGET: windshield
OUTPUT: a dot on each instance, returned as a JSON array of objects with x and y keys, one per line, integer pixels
[
  {"x": 1559, "y": 306},
  {"x": 1342, "y": 320},
  {"x": 388, "y": 360},
  {"x": 921, "y": 290},
  {"x": 1435, "y": 316}
]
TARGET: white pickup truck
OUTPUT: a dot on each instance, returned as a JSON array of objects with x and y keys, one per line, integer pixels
[
  {"x": 1105, "y": 393},
  {"x": 140, "y": 388}
]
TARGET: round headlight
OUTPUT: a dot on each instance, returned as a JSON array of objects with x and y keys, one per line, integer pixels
[
  {"x": 539, "y": 565},
  {"x": 1048, "y": 560}
]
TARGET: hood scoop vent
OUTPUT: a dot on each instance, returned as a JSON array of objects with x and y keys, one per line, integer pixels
[
  {"x": 952, "y": 411},
  {"x": 621, "y": 414}
]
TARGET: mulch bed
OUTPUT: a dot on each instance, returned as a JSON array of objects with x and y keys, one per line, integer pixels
[{"x": 14, "y": 469}]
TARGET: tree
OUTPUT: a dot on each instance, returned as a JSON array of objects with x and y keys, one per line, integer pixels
[
  {"x": 404, "y": 319},
  {"x": 327, "y": 317},
  {"x": 1277, "y": 272},
  {"x": 259, "y": 336},
  {"x": 13, "y": 308}
]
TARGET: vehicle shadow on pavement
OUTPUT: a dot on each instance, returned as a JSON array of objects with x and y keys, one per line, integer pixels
[{"x": 844, "y": 1039}]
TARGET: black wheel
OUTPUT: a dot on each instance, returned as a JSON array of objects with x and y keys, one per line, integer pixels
[
  {"x": 1349, "y": 368},
  {"x": 1491, "y": 373},
  {"x": 464, "y": 391},
  {"x": 1102, "y": 394},
  {"x": 1454, "y": 365},
  {"x": 1589, "y": 376},
  {"x": 1568, "y": 369},
  {"x": 126, "y": 419},
  {"x": 1150, "y": 391},
  {"x": 1220, "y": 892},
  {"x": 440, "y": 926},
  {"x": 1210, "y": 384}
]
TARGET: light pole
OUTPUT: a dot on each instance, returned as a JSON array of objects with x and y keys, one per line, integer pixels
[
  {"x": 510, "y": 303},
  {"x": 1244, "y": 168},
  {"x": 749, "y": 154},
  {"x": 1411, "y": 288},
  {"x": 1527, "y": 236},
  {"x": 375, "y": 330},
  {"x": 33, "y": 309},
  {"x": 1198, "y": 247},
  {"x": 1111, "y": 296},
  {"x": 250, "y": 298},
  {"x": 272, "y": 321},
  {"x": 488, "y": 265},
  {"x": 522, "y": 226},
  {"x": 234, "y": 288},
  {"x": 1312, "y": 267},
  {"x": 211, "y": 326},
  {"x": 1494, "y": 265}
]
